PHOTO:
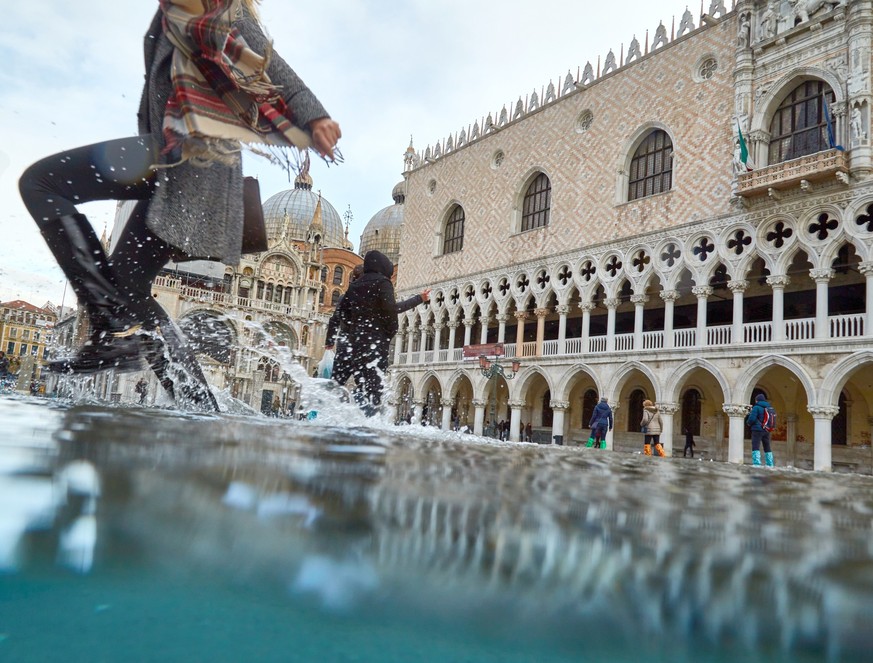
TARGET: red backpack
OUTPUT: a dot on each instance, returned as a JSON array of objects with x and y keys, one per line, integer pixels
[{"x": 768, "y": 419}]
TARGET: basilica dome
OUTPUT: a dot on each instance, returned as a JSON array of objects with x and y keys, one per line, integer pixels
[
  {"x": 289, "y": 214},
  {"x": 382, "y": 233}
]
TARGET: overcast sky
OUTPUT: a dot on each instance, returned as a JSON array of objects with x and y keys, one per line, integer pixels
[{"x": 385, "y": 70}]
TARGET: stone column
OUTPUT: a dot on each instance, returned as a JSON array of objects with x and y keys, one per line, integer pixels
[
  {"x": 738, "y": 288},
  {"x": 778, "y": 283},
  {"x": 558, "y": 410},
  {"x": 483, "y": 336},
  {"x": 669, "y": 297},
  {"x": 501, "y": 328},
  {"x": 520, "y": 317},
  {"x": 610, "y": 434},
  {"x": 736, "y": 431},
  {"x": 437, "y": 340},
  {"x": 586, "y": 324},
  {"x": 394, "y": 409},
  {"x": 667, "y": 411},
  {"x": 702, "y": 292},
  {"x": 541, "y": 314},
  {"x": 423, "y": 342},
  {"x": 478, "y": 416},
  {"x": 417, "y": 405},
  {"x": 791, "y": 438},
  {"x": 639, "y": 302},
  {"x": 611, "y": 305},
  {"x": 410, "y": 343},
  {"x": 821, "y": 277},
  {"x": 468, "y": 330},
  {"x": 398, "y": 347},
  {"x": 719, "y": 432},
  {"x": 866, "y": 268},
  {"x": 515, "y": 420},
  {"x": 562, "y": 311},
  {"x": 823, "y": 415},
  {"x": 447, "y": 404},
  {"x": 453, "y": 328}
]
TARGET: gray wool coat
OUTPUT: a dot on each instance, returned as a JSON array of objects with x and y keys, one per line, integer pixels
[{"x": 200, "y": 210}]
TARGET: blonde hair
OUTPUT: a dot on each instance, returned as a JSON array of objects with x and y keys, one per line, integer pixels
[
  {"x": 252, "y": 7},
  {"x": 647, "y": 403}
]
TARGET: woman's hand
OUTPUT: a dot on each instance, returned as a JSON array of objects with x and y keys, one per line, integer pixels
[
  {"x": 325, "y": 134},
  {"x": 425, "y": 295}
]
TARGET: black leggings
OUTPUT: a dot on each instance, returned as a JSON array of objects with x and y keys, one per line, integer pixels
[{"x": 113, "y": 170}]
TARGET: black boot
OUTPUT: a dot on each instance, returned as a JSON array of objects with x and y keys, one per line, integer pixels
[{"x": 113, "y": 342}]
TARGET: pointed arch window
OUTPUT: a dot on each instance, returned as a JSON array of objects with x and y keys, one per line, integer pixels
[
  {"x": 453, "y": 237},
  {"x": 651, "y": 169},
  {"x": 799, "y": 126},
  {"x": 537, "y": 203}
]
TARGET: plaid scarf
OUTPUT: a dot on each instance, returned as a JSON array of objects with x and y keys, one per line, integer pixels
[{"x": 222, "y": 96}]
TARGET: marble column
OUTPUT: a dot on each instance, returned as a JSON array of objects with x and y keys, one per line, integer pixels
[
  {"x": 520, "y": 317},
  {"x": 669, "y": 297},
  {"x": 778, "y": 284},
  {"x": 822, "y": 278},
  {"x": 822, "y": 453},
  {"x": 447, "y": 404},
  {"x": 478, "y": 416},
  {"x": 639, "y": 302},
  {"x": 417, "y": 405},
  {"x": 702, "y": 292},
  {"x": 667, "y": 412},
  {"x": 791, "y": 438},
  {"x": 468, "y": 330},
  {"x": 610, "y": 304},
  {"x": 437, "y": 340},
  {"x": 410, "y": 344},
  {"x": 562, "y": 312},
  {"x": 586, "y": 309},
  {"x": 610, "y": 434},
  {"x": 515, "y": 420},
  {"x": 501, "y": 327},
  {"x": 738, "y": 288},
  {"x": 453, "y": 329},
  {"x": 541, "y": 314},
  {"x": 398, "y": 346},
  {"x": 736, "y": 431},
  {"x": 559, "y": 408},
  {"x": 423, "y": 342},
  {"x": 866, "y": 268},
  {"x": 483, "y": 335}
]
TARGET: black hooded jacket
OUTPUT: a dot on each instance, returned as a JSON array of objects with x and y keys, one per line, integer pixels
[{"x": 368, "y": 310}]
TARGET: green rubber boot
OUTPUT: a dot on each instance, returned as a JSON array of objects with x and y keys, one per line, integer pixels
[
  {"x": 590, "y": 442},
  {"x": 603, "y": 443},
  {"x": 756, "y": 458}
]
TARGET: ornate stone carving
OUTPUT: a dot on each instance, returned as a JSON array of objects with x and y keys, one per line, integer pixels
[
  {"x": 669, "y": 295},
  {"x": 503, "y": 317},
  {"x": 778, "y": 281},
  {"x": 447, "y": 402},
  {"x": 587, "y": 306},
  {"x": 541, "y": 312},
  {"x": 668, "y": 408},
  {"x": 734, "y": 410},
  {"x": 612, "y": 302},
  {"x": 767, "y": 23},
  {"x": 823, "y": 411},
  {"x": 822, "y": 275},
  {"x": 516, "y": 404},
  {"x": 610, "y": 64},
  {"x": 562, "y": 309},
  {"x": 660, "y": 36},
  {"x": 717, "y": 7},
  {"x": 478, "y": 403},
  {"x": 686, "y": 24},
  {"x": 521, "y": 315},
  {"x": 744, "y": 32},
  {"x": 587, "y": 74},
  {"x": 639, "y": 299},
  {"x": 559, "y": 405},
  {"x": 702, "y": 291},
  {"x": 738, "y": 286},
  {"x": 633, "y": 51}
]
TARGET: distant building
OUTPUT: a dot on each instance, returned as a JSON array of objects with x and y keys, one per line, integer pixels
[{"x": 26, "y": 331}]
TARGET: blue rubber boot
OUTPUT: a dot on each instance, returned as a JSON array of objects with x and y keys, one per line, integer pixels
[
  {"x": 756, "y": 458},
  {"x": 768, "y": 458}
]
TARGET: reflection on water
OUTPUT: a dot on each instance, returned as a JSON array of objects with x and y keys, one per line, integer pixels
[{"x": 246, "y": 538}]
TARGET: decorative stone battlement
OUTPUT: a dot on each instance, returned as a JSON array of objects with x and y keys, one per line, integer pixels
[{"x": 585, "y": 76}]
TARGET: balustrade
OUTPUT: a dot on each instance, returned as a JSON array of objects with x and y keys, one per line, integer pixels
[
  {"x": 624, "y": 342},
  {"x": 757, "y": 332},
  {"x": 719, "y": 335}
]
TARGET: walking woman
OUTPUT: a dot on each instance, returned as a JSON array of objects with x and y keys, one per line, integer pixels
[
  {"x": 212, "y": 85},
  {"x": 651, "y": 427}
]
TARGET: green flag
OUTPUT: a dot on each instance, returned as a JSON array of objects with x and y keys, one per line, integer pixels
[{"x": 744, "y": 151}]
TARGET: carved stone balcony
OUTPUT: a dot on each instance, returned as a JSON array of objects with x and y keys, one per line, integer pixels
[{"x": 802, "y": 173}]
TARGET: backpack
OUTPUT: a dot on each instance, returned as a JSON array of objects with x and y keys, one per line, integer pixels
[{"x": 768, "y": 419}]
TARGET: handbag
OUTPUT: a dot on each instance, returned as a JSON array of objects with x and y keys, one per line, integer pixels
[{"x": 254, "y": 237}]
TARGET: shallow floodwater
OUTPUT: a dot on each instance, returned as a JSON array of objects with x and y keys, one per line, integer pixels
[{"x": 131, "y": 534}]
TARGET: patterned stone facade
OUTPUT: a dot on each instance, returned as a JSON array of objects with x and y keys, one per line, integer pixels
[{"x": 744, "y": 276}]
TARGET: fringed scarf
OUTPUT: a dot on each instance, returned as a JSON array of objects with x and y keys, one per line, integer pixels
[{"x": 222, "y": 96}]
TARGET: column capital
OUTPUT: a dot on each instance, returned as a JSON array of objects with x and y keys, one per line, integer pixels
[
  {"x": 562, "y": 309},
  {"x": 516, "y": 405},
  {"x": 469, "y": 322},
  {"x": 639, "y": 300},
  {"x": 866, "y": 268},
  {"x": 736, "y": 409},
  {"x": 587, "y": 307},
  {"x": 779, "y": 281},
  {"x": 612, "y": 302},
  {"x": 541, "y": 312},
  {"x": 822, "y": 275},
  {"x": 669, "y": 295},
  {"x": 503, "y": 317},
  {"x": 823, "y": 411},
  {"x": 478, "y": 403},
  {"x": 447, "y": 402},
  {"x": 521, "y": 315},
  {"x": 702, "y": 291},
  {"x": 559, "y": 405},
  {"x": 738, "y": 285},
  {"x": 668, "y": 408},
  {"x": 452, "y": 324},
  {"x": 438, "y": 326}
]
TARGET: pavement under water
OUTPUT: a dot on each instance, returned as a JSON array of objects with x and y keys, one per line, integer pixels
[{"x": 145, "y": 534}]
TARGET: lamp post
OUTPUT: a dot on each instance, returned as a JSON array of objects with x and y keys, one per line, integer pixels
[
  {"x": 491, "y": 369},
  {"x": 285, "y": 379}
]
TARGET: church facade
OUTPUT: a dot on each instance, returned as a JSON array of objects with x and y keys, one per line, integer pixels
[{"x": 690, "y": 222}]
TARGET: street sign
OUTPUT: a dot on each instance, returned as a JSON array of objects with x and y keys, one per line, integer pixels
[{"x": 487, "y": 349}]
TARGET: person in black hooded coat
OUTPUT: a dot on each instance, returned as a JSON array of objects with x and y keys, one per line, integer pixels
[{"x": 368, "y": 314}]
